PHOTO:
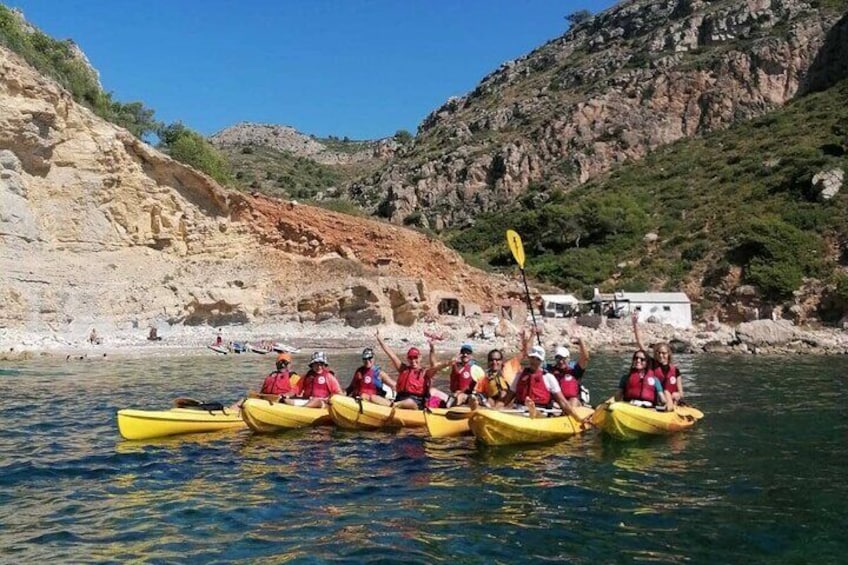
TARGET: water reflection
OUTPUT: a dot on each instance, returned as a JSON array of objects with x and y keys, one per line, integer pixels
[{"x": 733, "y": 488}]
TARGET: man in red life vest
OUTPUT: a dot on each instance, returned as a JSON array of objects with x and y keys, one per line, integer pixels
[
  {"x": 367, "y": 380},
  {"x": 535, "y": 387},
  {"x": 462, "y": 381},
  {"x": 569, "y": 375},
  {"x": 281, "y": 382},
  {"x": 317, "y": 386},
  {"x": 414, "y": 381}
]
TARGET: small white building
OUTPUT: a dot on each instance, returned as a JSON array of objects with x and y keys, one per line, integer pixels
[
  {"x": 559, "y": 305},
  {"x": 672, "y": 308}
]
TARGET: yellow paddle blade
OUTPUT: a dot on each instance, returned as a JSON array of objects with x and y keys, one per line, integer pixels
[
  {"x": 515, "y": 245},
  {"x": 477, "y": 373},
  {"x": 511, "y": 368}
]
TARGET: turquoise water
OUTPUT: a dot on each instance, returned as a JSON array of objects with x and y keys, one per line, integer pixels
[{"x": 761, "y": 479}]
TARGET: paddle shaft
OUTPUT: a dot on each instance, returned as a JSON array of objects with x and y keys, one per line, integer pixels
[{"x": 530, "y": 306}]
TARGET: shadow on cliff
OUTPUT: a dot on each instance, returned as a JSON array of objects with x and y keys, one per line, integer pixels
[{"x": 831, "y": 63}]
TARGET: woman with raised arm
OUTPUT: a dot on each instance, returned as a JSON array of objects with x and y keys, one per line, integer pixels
[
  {"x": 661, "y": 366},
  {"x": 413, "y": 382}
]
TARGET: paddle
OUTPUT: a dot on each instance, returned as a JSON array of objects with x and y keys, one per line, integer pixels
[{"x": 517, "y": 248}]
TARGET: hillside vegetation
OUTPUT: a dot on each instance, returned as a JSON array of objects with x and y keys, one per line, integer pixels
[
  {"x": 62, "y": 61},
  {"x": 280, "y": 173},
  {"x": 739, "y": 199}
]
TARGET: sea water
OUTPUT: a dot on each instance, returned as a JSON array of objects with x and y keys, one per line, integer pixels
[{"x": 762, "y": 478}]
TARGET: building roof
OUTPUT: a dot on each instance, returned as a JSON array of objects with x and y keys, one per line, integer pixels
[
  {"x": 654, "y": 297},
  {"x": 560, "y": 298}
]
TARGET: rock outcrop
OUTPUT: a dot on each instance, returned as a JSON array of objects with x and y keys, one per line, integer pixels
[
  {"x": 289, "y": 140},
  {"x": 638, "y": 76},
  {"x": 96, "y": 225}
]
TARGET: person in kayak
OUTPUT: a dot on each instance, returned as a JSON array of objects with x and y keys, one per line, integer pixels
[
  {"x": 536, "y": 388},
  {"x": 414, "y": 381},
  {"x": 317, "y": 385},
  {"x": 280, "y": 382},
  {"x": 568, "y": 373},
  {"x": 462, "y": 382},
  {"x": 640, "y": 386},
  {"x": 368, "y": 380},
  {"x": 494, "y": 387},
  {"x": 661, "y": 365}
]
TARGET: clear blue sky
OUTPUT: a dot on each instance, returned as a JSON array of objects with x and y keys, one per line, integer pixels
[{"x": 357, "y": 68}]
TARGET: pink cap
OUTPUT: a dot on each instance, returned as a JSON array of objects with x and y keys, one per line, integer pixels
[{"x": 413, "y": 353}]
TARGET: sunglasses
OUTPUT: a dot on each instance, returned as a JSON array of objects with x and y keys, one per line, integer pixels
[{"x": 639, "y": 359}]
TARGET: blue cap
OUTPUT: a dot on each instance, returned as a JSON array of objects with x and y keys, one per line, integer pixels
[{"x": 466, "y": 347}]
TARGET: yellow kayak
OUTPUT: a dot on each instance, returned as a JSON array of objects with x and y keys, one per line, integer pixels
[
  {"x": 623, "y": 420},
  {"x": 440, "y": 424},
  {"x": 355, "y": 414},
  {"x": 264, "y": 416},
  {"x": 496, "y": 427},
  {"x": 148, "y": 424}
]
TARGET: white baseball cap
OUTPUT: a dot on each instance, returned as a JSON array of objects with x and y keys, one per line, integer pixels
[
  {"x": 562, "y": 352},
  {"x": 538, "y": 352}
]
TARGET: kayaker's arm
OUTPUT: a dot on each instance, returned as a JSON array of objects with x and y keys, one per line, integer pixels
[
  {"x": 583, "y": 360},
  {"x": 636, "y": 334},
  {"x": 388, "y": 351},
  {"x": 565, "y": 406},
  {"x": 388, "y": 380}
]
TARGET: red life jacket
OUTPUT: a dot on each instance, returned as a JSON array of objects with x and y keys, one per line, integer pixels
[
  {"x": 413, "y": 381},
  {"x": 317, "y": 384},
  {"x": 569, "y": 384},
  {"x": 641, "y": 387},
  {"x": 460, "y": 378},
  {"x": 668, "y": 376},
  {"x": 532, "y": 385},
  {"x": 363, "y": 382},
  {"x": 278, "y": 382}
]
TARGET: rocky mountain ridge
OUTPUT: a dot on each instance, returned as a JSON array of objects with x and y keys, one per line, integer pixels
[
  {"x": 638, "y": 76},
  {"x": 289, "y": 140}
]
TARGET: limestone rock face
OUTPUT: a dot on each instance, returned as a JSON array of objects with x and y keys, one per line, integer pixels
[
  {"x": 638, "y": 76},
  {"x": 95, "y": 225}
]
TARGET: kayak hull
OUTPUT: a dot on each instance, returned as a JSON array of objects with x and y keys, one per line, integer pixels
[
  {"x": 263, "y": 416},
  {"x": 625, "y": 421},
  {"x": 354, "y": 414},
  {"x": 494, "y": 427},
  {"x": 149, "y": 424},
  {"x": 439, "y": 425}
]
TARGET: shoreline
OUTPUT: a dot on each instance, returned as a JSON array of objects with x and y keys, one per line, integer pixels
[{"x": 758, "y": 337}]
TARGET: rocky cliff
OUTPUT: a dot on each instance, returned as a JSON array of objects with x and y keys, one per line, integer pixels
[
  {"x": 96, "y": 225},
  {"x": 640, "y": 75},
  {"x": 289, "y": 140}
]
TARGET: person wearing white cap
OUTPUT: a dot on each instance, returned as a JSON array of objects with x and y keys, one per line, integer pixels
[
  {"x": 569, "y": 375},
  {"x": 536, "y": 387},
  {"x": 317, "y": 385}
]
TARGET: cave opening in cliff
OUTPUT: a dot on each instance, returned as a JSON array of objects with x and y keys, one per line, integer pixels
[{"x": 449, "y": 306}]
